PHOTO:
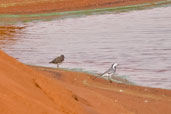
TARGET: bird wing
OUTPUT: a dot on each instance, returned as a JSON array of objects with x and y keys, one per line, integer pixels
[
  {"x": 109, "y": 70},
  {"x": 54, "y": 60},
  {"x": 58, "y": 59}
]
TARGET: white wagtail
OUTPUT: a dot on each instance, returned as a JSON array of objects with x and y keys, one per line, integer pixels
[
  {"x": 110, "y": 72},
  {"x": 58, "y": 60}
]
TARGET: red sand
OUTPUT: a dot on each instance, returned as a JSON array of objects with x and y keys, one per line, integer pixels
[
  {"x": 44, "y": 6},
  {"x": 38, "y": 90},
  {"x": 25, "y": 91},
  {"x": 101, "y": 97}
]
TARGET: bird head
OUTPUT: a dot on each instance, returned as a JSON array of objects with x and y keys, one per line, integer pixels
[
  {"x": 114, "y": 65},
  {"x": 63, "y": 56}
]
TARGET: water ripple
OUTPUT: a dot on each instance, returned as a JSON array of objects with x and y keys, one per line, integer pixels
[{"x": 138, "y": 40}]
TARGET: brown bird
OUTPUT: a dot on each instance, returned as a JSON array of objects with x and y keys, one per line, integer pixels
[{"x": 58, "y": 60}]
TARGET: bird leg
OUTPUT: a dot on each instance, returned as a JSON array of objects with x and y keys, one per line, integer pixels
[
  {"x": 109, "y": 78},
  {"x": 57, "y": 66}
]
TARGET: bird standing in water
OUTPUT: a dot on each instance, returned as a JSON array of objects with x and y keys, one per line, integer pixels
[
  {"x": 58, "y": 60},
  {"x": 110, "y": 72}
]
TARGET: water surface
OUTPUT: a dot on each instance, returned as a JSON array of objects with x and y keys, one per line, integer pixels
[{"x": 140, "y": 41}]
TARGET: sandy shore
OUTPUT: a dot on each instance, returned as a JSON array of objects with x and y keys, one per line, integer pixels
[
  {"x": 39, "y": 90},
  {"x": 56, "y": 91},
  {"x": 23, "y": 10},
  {"x": 46, "y": 6},
  {"x": 101, "y": 97},
  {"x": 26, "y": 91}
]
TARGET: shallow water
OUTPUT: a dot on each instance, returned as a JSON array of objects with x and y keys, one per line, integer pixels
[{"x": 140, "y": 41}]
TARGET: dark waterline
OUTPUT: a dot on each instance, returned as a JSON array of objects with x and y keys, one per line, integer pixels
[{"x": 140, "y": 41}]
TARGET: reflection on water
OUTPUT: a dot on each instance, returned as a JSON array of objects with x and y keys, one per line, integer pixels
[
  {"x": 8, "y": 35},
  {"x": 140, "y": 41}
]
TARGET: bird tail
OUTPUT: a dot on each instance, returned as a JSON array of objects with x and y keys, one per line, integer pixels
[{"x": 50, "y": 62}]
